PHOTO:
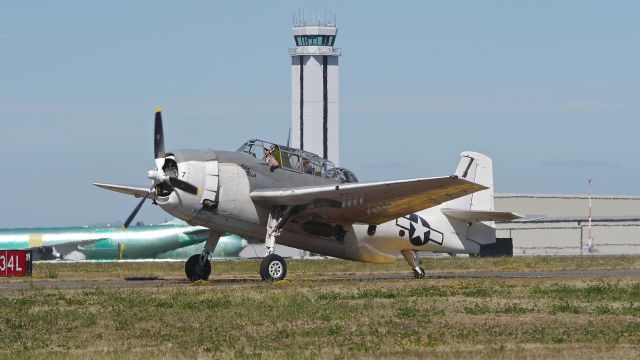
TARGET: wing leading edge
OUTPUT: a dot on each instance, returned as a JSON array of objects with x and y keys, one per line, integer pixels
[{"x": 368, "y": 203}]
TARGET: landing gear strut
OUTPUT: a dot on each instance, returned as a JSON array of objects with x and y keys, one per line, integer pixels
[
  {"x": 411, "y": 256},
  {"x": 273, "y": 267}
]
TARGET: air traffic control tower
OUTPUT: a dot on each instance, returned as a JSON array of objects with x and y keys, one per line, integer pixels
[{"x": 314, "y": 88}]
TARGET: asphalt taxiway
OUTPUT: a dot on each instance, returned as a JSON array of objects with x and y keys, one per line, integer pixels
[{"x": 27, "y": 283}]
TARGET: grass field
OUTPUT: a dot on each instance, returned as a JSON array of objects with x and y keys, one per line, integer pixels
[{"x": 302, "y": 317}]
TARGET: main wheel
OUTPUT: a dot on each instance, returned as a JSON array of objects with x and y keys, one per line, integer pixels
[
  {"x": 273, "y": 268},
  {"x": 418, "y": 274},
  {"x": 196, "y": 271}
]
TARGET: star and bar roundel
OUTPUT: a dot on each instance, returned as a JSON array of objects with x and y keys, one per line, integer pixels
[{"x": 419, "y": 230}]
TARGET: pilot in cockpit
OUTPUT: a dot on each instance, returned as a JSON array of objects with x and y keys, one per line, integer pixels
[
  {"x": 270, "y": 159},
  {"x": 306, "y": 166}
]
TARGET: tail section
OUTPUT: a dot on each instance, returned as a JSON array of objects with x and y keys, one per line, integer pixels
[
  {"x": 474, "y": 215},
  {"x": 478, "y": 168}
]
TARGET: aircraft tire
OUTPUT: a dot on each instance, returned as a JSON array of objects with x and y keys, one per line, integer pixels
[
  {"x": 418, "y": 275},
  {"x": 273, "y": 268},
  {"x": 195, "y": 271}
]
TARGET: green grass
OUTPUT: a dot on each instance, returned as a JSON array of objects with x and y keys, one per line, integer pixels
[
  {"x": 306, "y": 268},
  {"x": 569, "y": 317},
  {"x": 593, "y": 292}
]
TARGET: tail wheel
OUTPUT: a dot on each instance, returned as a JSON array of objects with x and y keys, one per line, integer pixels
[
  {"x": 195, "y": 270},
  {"x": 273, "y": 268},
  {"x": 418, "y": 274}
]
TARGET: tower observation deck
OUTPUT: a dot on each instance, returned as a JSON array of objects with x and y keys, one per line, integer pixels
[{"x": 314, "y": 89}]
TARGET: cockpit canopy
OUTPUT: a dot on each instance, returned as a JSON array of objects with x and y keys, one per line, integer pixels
[
  {"x": 297, "y": 160},
  {"x": 342, "y": 174}
]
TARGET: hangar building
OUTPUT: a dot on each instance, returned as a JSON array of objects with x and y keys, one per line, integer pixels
[{"x": 558, "y": 224}]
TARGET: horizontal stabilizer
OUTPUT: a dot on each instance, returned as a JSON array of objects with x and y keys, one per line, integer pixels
[
  {"x": 137, "y": 191},
  {"x": 480, "y": 215}
]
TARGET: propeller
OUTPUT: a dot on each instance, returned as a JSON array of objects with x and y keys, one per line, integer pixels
[
  {"x": 158, "y": 141},
  {"x": 158, "y": 176},
  {"x": 183, "y": 185}
]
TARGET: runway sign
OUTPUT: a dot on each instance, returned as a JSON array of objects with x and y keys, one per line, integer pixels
[{"x": 15, "y": 262}]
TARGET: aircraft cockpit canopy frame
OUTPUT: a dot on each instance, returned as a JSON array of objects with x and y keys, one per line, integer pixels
[{"x": 296, "y": 160}]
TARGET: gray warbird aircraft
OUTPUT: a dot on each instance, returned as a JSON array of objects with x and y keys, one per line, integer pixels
[{"x": 298, "y": 199}]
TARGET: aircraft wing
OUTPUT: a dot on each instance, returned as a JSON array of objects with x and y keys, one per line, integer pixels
[
  {"x": 480, "y": 215},
  {"x": 137, "y": 191},
  {"x": 61, "y": 250},
  {"x": 368, "y": 203},
  {"x": 68, "y": 247}
]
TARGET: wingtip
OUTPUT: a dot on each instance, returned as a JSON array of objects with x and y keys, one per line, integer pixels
[
  {"x": 481, "y": 186},
  {"x": 158, "y": 110}
]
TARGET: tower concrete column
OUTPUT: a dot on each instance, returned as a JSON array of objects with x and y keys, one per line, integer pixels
[{"x": 314, "y": 89}]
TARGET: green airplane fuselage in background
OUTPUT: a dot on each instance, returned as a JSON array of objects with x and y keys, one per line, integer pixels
[{"x": 111, "y": 243}]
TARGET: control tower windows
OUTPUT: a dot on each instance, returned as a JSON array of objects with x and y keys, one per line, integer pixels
[{"x": 315, "y": 40}]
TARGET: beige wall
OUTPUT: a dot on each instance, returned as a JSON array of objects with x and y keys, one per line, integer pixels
[
  {"x": 568, "y": 205},
  {"x": 571, "y": 238},
  {"x": 554, "y": 237}
]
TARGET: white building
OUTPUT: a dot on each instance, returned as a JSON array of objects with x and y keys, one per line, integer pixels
[{"x": 314, "y": 89}]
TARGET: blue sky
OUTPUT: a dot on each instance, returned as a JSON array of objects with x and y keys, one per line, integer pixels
[{"x": 549, "y": 89}]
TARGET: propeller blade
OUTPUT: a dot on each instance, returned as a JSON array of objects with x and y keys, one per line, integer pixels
[
  {"x": 135, "y": 211},
  {"x": 158, "y": 141},
  {"x": 184, "y": 186}
]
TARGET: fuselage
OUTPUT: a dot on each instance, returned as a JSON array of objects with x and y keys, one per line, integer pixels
[
  {"x": 109, "y": 243},
  {"x": 227, "y": 179},
  {"x": 229, "y": 247}
]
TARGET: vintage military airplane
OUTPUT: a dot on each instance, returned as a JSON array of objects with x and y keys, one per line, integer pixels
[{"x": 278, "y": 193}]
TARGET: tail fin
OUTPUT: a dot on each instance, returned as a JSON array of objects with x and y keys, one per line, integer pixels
[{"x": 478, "y": 168}]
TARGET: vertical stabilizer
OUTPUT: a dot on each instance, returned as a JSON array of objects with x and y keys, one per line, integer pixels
[{"x": 478, "y": 168}]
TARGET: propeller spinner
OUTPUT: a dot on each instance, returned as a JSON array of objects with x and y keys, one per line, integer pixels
[{"x": 158, "y": 175}]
